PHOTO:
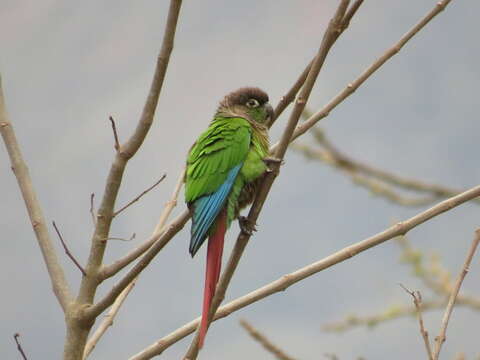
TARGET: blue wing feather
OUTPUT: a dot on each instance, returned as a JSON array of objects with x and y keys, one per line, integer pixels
[{"x": 206, "y": 209}]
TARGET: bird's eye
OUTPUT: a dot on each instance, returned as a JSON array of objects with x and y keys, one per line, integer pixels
[{"x": 252, "y": 103}]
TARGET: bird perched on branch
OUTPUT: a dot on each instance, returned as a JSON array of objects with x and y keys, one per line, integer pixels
[{"x": 224, "y": 167}]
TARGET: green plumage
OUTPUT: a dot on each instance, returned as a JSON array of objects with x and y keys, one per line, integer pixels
[{"x": 236, "y": 136}]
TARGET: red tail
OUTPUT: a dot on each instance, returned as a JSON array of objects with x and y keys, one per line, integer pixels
[{"x": 212, "y": 273}]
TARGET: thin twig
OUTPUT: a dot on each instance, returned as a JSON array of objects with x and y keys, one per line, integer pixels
[
  {"x": 139, "y": 196},
  {"x": 115, "y": 134},
  {"x": 108, "y": 319},
  {"x": 440, "y": 339},
  {"x": 92, "y": 209},
  {"x": 69, "y": 254},
  {"x": 265, "y": 342},
  {"x": 122, "y": 239},
  {"x": 417, "y": 301},
  {"x": 328, "y": 40},
  {"x": 19, "y": 346},
  {"x": 55, "y": 271},
  {"x": 288, "y": 280},
  {"x": 110, "y": 270}
]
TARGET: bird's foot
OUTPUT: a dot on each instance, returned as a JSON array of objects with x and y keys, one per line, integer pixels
[
  {"x": 272, "y": 160},
  {"x": 246, "y": 226}
]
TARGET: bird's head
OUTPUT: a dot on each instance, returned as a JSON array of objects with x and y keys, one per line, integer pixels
[{"x": 250, "y": 103}]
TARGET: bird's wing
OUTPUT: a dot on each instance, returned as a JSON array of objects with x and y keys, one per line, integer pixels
[{"x": 212, "y": 167}]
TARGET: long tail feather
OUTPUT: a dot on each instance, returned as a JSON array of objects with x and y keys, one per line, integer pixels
[{"x": 212, "y": 273}]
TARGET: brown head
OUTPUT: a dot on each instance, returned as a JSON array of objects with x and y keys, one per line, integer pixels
[{"x": 250, "y": 103}]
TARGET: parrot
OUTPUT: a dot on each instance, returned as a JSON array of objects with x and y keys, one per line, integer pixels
[{"x": 224, "y": 168}]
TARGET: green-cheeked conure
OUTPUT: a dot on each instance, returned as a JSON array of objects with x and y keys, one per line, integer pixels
[{"x": 224, "y": 167}]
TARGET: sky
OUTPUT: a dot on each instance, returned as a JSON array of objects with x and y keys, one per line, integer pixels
[{"x": 66, "y": 66}]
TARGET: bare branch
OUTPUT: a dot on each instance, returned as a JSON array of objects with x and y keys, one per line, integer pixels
[
  {"x": 110, "y": 270},
  {"x": 139, "y": 196},
  {"x": 126, "y": 151},
  {"x": 92, "y": 209},
  {"x": 69, "y": 254},
  {"x": 108, "y": 320},
  {"x": 20, "y": 169},
  {"x": 350, "y": 89},
  {"x": 115, "y": 134},
  {"x": 440, "y": 339},
  {"x": 19, "y": 346},
  {"x": 122, "y": 239},
  {"x": 288, "y": 280},
  {"x": 159, "y": 241},
  {"x": 290, "y": 95},
  {"x": 330, "y": 35},
  {"x": 334, "y": 157},
  {"x": 417, "y": 301},
  {"x": 264, "y": 341}
]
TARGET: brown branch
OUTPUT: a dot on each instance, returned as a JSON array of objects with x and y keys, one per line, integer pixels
[
  {"x": 79, "y": 325},
  {"x": 115, "y": 134},
  {"x": 353, "y": 86},
  {"x": 34, "y": 209},
  {"x": 440, "y": 339},
  {"x": 159, "y": 241},
  {"x": 108, "y": 320},
  {"x": 92, "y": 209},
  {"x": 290, "y": 95},
  {"x": 417, "y": 301},
  {"x": 288, "y": 280},
  {"x": 19, "y": 346},
  {"x": 69, "y": 254},
  {"x": 331, "y": 34},
  {"x": 334, "y": 157},
  {"x": 264, "y": 341},
  {"x": 122, "y": 239},
  {"x": 139, "y": 196},
  {"x": 110, "y": 270},
  {"x": 105, "y": 212}
]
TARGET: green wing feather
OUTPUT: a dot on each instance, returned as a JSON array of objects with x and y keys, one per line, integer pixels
[{"x": 221, "y": 147}]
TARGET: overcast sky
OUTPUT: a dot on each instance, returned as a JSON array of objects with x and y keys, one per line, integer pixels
[{"x": 66, "y": 66}]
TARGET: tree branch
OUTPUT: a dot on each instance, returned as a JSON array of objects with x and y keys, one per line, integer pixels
[
  {"x": 350, "y": 89},
  {"x": 417, "y": 301},
  {"x": 69, "y": 254},
  {"x": 159, "y": 241},
  {"x": 139, "y": 196},
  {"x": 20, "y": 169},
  {"x": 288, "y": 280},
  {"x": 105, "y": 212},
  {"x": 115, "y": 134},
  {"x": 331, "y": 155},
  {"x": 110, "y": 270},
  {"x": 331, "y": 34},
  {"x": 108, "y": 320},
  {"x": 19, "y": 346},
  {"x": 265, "y": 342},
  {"x": 440, "y": 339}
]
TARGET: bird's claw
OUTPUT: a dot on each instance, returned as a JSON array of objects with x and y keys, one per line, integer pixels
[
  {"x": 272, "y": 160},
  {"x": 246, "y": 226}
]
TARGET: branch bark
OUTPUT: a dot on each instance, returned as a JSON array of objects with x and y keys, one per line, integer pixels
[
  {"x": 288, "y": 280},
  {"x": 34, "y": 209},
  {"x": 440, "y": 339}
]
